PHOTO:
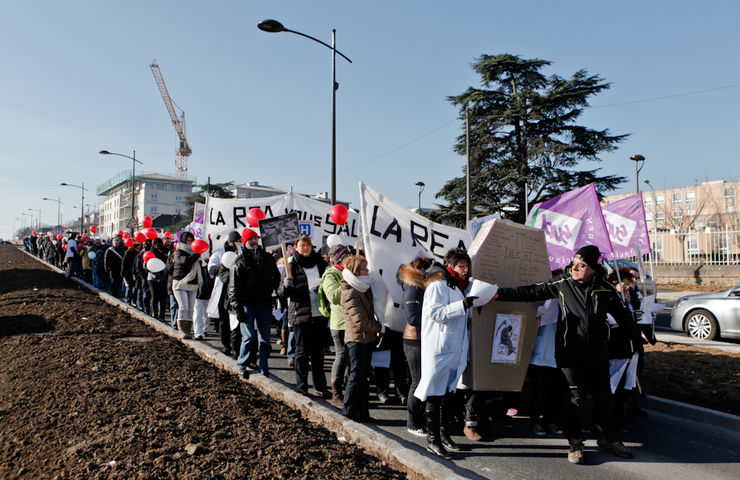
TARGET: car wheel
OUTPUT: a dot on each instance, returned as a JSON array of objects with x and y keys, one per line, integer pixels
[{"x": 702, "y": 325}]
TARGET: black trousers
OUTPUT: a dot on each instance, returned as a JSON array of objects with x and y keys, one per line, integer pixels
[
  {"x": 546, "y": 403},
  {"x": 356, "y": 396},
  {"x": 394, "y": 341},
  {"x": 309, "y": 344},
  {"x": 412, "y": 349},
  {"x": 158, "y": 298},
  {"x": 592, "y": 376}
]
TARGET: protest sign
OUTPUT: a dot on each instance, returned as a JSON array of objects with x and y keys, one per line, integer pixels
[
  {"x": 475, "y": 224},
  {"x": 223, "y": 215},
  {"x": 571, "y": 221},
  {"x": 625, "y": 221},
  {"x": 393, "y": 235},
  {"x": 280, "y": 230}
]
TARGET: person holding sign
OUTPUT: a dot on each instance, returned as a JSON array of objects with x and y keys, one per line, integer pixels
[
  {"x": 444, "y": 345},
  {"x": 252, "y": 280},
  {"x": 585, "y": 298},
  {"x": 300, "y": 288}
]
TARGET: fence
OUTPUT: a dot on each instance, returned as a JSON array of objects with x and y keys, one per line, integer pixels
[{"x": 716, "y": 246}]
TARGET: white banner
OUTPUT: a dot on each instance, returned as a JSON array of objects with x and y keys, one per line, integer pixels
[
  {"x": 393, "y": 235},
  {"x": 223, "y": 215}
]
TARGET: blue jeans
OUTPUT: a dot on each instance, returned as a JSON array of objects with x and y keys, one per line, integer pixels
[
  {"x": 173, "y": 311},
  {"x": 261, "y": 315},
  {"x": 356, "y": 396}
]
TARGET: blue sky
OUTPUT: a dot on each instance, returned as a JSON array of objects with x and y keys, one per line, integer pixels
[{"x": 76, "y": 79}]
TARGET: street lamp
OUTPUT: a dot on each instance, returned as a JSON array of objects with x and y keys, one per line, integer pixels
[
  {"x": 639, "y": 163},
  {"x": 273, "y": 26},
  {"x": 134, "y": 161},
  {"x": 421, "y": 186},
  {"x": 82, "y": 209},
  {"x": 59, "y": 208},
  {"x": 38, "y": 223}
]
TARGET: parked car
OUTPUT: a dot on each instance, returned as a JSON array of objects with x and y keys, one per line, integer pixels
[{"x": 707, "y": 316}]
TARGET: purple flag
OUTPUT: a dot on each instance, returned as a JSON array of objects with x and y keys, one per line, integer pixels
[
  {"x": 625, "y": 221},
  {"x": 571, "y": 221}
]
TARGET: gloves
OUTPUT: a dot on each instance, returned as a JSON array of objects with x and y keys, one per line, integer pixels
[
  {"x": 288, "y": 282},
  {"x": 468, "y": 302}
]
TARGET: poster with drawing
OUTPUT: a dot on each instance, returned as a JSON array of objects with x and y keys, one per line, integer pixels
[
  {"x": 506, "y": 338},
  {"x": 276, "y": 231}
]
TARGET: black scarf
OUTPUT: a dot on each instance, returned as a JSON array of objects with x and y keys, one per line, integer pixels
[{"x": 306, "y": 262}]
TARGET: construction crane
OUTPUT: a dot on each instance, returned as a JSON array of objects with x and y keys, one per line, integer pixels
[{"x": 184, "y": 151}]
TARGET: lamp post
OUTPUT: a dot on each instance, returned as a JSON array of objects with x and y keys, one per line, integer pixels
[
  {"x": 24, "y": 215},
  {"x": 134, "y": 161},
  {"x": 59, "y": 208},
  {"x": 82, "y": 208},
  {"x": 273, "y": 26},
  {"x": 639, "y": 163},
  {"x": 421, "y": 186},
  {"x": 38, "y": 222}
]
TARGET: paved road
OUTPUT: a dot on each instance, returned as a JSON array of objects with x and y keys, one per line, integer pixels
[{"x": 665, "y": 447}]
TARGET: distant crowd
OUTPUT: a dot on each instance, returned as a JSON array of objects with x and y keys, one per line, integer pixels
[{"x": 589, "y": 342}]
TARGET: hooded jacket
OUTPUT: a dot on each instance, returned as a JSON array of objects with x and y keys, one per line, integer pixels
[
  {"x": 412, "y": 284},
  {"x": 582, "y": 329},
  {"x": 360, "y": 325}
]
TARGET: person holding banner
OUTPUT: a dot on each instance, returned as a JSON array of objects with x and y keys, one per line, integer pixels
[
  {"x": 444, "y": 345},
  {"x": 252, "y": 280},
  {"x": 585, "y": 298},
  {"x": 300, "y": 289}
]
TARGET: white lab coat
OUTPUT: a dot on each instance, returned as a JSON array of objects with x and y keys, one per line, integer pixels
[{"x": 444, "y": 340}]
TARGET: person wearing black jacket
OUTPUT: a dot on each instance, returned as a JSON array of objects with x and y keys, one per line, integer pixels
[
  {"x": 252, "y": 280},
  {"x": 185, "y": 274},
  {"x": 129, "y": 275},
  {"x": 300, "y": 289},
  {"x": 113, "y": 261},
  {"x": 143, "y": 293},
  {"x": 158, "y": 282},
  {"x": 221, "y": 273},
  {"x": 582, "y": 333}
]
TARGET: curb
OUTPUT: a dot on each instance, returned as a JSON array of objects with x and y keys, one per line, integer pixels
[
  {"x": 694, "y": 413},
  {"x": 411, "y": 462}
]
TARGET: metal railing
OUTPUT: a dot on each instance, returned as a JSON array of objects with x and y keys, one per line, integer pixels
[{"x": 709, "y": 246}]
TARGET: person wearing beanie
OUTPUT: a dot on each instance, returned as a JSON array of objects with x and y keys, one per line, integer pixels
[
  {"x": 218, "y": 305},
  {"x": 253, "y": 279},
  {"x": 585, "y": 299},
  {"x": 331, "y": 289}
]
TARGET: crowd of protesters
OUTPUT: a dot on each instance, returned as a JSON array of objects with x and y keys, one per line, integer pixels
[{"x": 589, "y": 340}]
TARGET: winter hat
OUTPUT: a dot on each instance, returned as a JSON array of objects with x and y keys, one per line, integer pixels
[
  {"x": 248, "y": 233},
  {"x": 337, "y": 253},
  {"x": 589, "y": 254},
  {"x": 233, "y": 236}
]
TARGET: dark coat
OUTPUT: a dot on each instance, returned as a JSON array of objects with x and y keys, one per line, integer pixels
[
  {"x": 127, "y": 267},
  {"x": 182, "y": 263},
  {"x": 297, "y": 296},
  {"x": 113, "y": 262},
  {"x": 252, "y": 281},
  {"x": 412, "y": 284},
  {"x": 582, "y": 330}
]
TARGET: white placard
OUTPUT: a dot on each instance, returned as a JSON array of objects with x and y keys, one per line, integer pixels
[{"x": 483, "y": 290}]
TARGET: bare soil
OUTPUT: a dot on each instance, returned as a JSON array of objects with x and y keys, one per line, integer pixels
[
  {"x": 694, "y": 287},
  {"x": 88, "y": 392}
]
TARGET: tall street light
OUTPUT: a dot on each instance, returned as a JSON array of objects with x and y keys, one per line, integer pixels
[
  {"x": 639, "y": 163},
  {"x": 59, "y": 208},
  {"x": 421, "y": 186},
  {"x": 134, "y": 161},
  {"x": 38, "y": 223},
  {"x": 82, "y": 209},
  {"x": 273, "y": 26}
]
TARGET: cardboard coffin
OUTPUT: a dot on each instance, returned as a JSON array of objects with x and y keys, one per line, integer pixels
[{"x": 502, "y": 334}]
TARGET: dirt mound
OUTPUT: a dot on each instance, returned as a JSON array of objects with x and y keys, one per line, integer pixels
[{"x": 101, "y": 395}]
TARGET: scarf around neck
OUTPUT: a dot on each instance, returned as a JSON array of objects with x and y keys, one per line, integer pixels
[
  {"x": 306, "y": 262},
  {"x": 361, "y": 284},
  {"x": 462, "y": 283}
]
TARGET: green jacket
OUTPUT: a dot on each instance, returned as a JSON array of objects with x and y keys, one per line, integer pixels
[{"x": 330, "y": 284}]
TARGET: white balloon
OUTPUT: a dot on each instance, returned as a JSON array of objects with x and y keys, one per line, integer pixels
[
  {"x": 228, "y": 259},
  {"x": 333, "y": 240},
  {"x": 91, "y": 255},
  {"x": 155, "y": 265},
  {"x": 105, "y": 236}
]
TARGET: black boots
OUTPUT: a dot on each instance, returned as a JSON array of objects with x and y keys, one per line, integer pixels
[
  {"x": 432, "y": 418},
  {"x": 444, "y": 420}
]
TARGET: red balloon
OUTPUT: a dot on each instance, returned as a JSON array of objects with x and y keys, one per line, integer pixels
[
  {"x": 126, "y": 235},
  {"x": 140, "y": 237},
  {"x": 146, "y": 222},
  {"x": 150, "y": 233},
  {"x": 64, "y": 247},
  {"x": 254, "y": 215},
  {"x": 248, "y": 233},
  {"x": 339, "y": 214},
  {"x": 129, "y": 242},
  {"x": 199, "y": 246},
  {"x": 34, "y": 232},
  {"x": 59, "y": 236},
  {"x": 148, "y": 256},
  {"x": 83, "y": 238},
  {"x": 93, "y": 228},
  {"x": 120, "y": 233},
  {"x": 168, "y": 235}
]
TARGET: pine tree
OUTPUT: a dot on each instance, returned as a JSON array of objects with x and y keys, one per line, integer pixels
[{"x": 523, "y": 130}]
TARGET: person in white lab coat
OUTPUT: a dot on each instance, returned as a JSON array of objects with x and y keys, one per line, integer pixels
[{"x": 444, "y": 345}]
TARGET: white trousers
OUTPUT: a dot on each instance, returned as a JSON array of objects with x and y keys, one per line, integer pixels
[{"x": 200, "y": 318}]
